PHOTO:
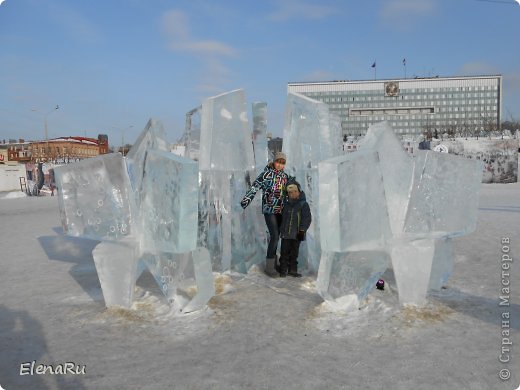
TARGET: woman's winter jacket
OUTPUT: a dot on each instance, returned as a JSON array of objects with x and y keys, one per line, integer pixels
[{"x": 272, "y": 182}]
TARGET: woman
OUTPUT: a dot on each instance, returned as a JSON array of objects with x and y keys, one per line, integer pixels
[{"x": 272, "y": 182}]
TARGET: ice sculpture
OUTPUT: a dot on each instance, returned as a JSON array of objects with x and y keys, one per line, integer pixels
[
  {"x": 311, "y": 134},
  {"x": 381, "y": 199},
  {"x": 354, "y": 236},
  {"x": 95, "y": 198},
  {"x": 261, "y": 152},
  {"x": 144, "y": 212},
  {"x": 233, "y": 237}
]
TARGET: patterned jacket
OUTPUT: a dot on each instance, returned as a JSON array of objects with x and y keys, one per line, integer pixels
[{"x": 272, "y": 182}]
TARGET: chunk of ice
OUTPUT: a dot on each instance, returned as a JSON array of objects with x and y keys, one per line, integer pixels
[{"x": 95, "y": 198}]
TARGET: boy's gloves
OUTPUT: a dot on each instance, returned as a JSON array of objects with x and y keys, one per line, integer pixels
[
  {"x": 245, "y": 202},
  {"x": 300, "y": 235}
]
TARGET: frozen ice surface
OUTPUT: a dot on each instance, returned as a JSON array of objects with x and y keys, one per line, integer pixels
[
  {"x": 186, "y": 279},
  {"x": 204, "y": 279},
  {"x": 116, "y": 266},
  {"x": 169, "y": 203},
  {"x": 261, "y": 151},
  {"x": 225, "y": 138},
  {"x": 412, "y": 265},
  {"x": 350, "y": 273},
  {"x": 95, "y": 198},
  {"x": 232, "y": 235},
  {"x": 353, "y": 203},
  {"x": 396, "y": 166},
  {"x": 152, "y": 137},
  {"x": 444, "y": 198},
  {"x": 311, "y": 134}
]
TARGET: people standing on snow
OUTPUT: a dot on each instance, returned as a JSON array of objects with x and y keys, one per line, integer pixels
[
  {"x": 296, "y": 219},
  {"x": 272, "y": 182}
]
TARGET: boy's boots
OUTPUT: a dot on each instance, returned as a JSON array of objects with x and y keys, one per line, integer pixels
[
  {"x": 293, "y": 271},
  {"x": 270, "y": 267}
]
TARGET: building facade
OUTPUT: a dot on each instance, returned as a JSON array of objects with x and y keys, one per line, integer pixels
[
  {"x": 457, "y": 106},
  {"x": 67, "y": 149}
]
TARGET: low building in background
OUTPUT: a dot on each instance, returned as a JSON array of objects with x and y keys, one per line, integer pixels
[{"x": 67, "y": 149}]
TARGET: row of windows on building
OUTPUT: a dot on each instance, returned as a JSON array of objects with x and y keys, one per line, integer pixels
[
  {"x": 444, "y": 92},
  {"x": 63, "y": 151}
]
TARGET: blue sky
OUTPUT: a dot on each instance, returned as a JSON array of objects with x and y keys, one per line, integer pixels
[{"x": 114, "y": 64}]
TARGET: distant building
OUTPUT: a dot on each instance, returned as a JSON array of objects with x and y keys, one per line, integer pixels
[
  {"x": 67, "y": 149},
  {"x": 463, "y": 106}
]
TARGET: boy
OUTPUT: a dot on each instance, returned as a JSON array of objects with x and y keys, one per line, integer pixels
[{"x": 296, "y": 219}]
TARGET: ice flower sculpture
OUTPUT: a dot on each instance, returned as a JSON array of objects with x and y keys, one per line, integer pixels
[
  {"x": 143, "y": 211},
  {"x": 382, "y": 205}
]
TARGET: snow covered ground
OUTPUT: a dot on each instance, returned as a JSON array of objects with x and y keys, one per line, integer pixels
[{"x": 258, "y": 333}]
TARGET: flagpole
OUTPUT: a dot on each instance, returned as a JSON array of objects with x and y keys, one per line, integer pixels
[{"x": 404, "y": 65}]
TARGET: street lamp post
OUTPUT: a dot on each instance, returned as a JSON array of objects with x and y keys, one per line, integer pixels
[
  {"x": 123, "y": 137},
  {"x": 46, "y": 129}
]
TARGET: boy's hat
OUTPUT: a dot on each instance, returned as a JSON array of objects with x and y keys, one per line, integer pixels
[
  {"x": 293, "y": 182},
  {"x": 292, "y": 187},
  {"x": 280, "y": 156}
]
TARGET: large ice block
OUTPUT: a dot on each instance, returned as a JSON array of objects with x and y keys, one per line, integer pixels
[
  {"x": 445, "y": 194},
  {"x": 233, "y": 236},
  {"x": 397, "y": 168},
  {"x": 442, "y": 263},
  {"x": 225, "y": 139},
  {"x": 169, "y": 204},
  {"x": 412, "y": 264},
  {"x": 261, "y": 151},
  {"x": 153, "y": 137},
  {"x": 116, "y": 266},
  {"x": 352, "y": 205},
  {"x": 350, "y": 273},
  {"x": 186, "y": 279},
  {"x": 95, "y": 198},
  {"x": 428, "y": 199},
  {"x": 311, "y": 134}
]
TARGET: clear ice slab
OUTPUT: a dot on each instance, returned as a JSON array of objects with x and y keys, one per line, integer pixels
[
  {"x": 353, "y": 222},
  {"x": 116, "y": 266},
  {"x": 186, "y": 279},
  {"x": 149, "y": 214},
  {"x": 311, "y": 134},
  {"x": 412, "y": 264},
  {"x": 397, "y": 169},
  {"x": 95, "y": 198},
  {"x": 169, "y": 203},
  {"x": 444, "y": 197},
  {"x": 233, "y": 236},
  {"x": 225, "y": 138},
  {"x": 428, "y": 199},
  {"x": 351, "y": 274},
  {"x": 260, "y": 149},
  {"x": 153, "y": 137}
]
